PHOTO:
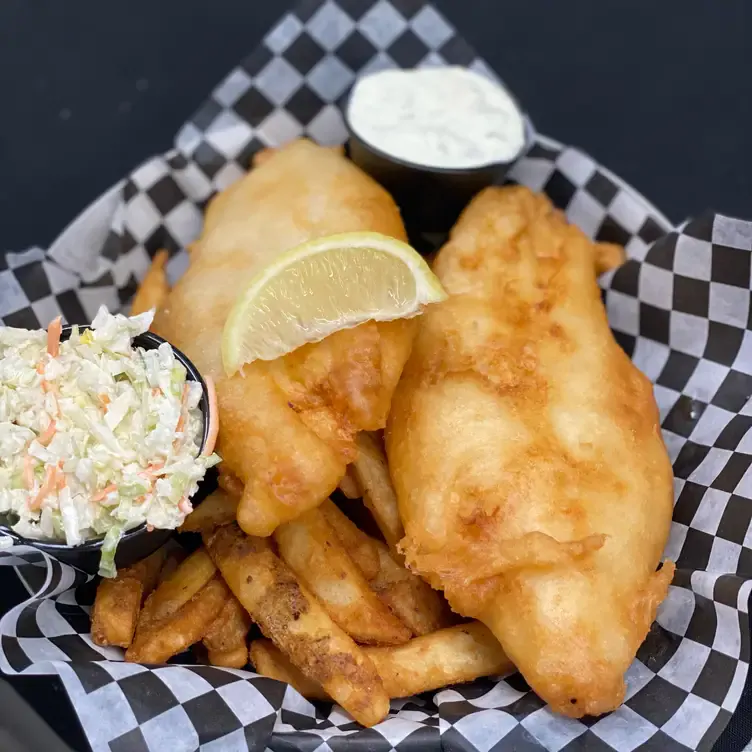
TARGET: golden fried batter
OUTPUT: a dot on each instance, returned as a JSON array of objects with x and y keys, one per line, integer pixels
[
  {"x": 287, "y": 427},
  {"x": 527, "y": 455}
]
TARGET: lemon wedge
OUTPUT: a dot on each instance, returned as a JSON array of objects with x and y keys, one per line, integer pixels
[{"x": 322, "y": 286}]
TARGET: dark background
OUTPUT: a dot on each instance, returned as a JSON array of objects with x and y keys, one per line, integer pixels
[{"x": 656, "y": 90}]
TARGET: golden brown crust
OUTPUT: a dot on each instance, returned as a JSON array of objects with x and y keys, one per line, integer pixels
[
  {"x": 287, "y": 428},
  {"x": 288, "y": 614},
  {"x": 412, "y": 600},
  {"x": 526, "y": 453},
  {"x": 311, "y": 548},
  {"x": 118, "y": 601},
  {"x": 156, "y": 642},
  {"x": 449, "y": 656}
]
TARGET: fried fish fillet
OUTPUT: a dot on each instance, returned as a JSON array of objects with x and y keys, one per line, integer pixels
[
  {"x": 527, "y": 456},
  {"x": 287, "y": 427}
]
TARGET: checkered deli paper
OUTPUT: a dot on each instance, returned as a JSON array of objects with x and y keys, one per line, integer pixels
[{"x": 680, "y": 307}]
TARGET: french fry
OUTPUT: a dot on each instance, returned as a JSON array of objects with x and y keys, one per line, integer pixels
[
  {"x": 349, "y": 485},
  {"x": 311, "y": 548},
  {"x": 269, "y": 660},
  {"x": 372, "y": 475},
  {"x": 218, "y": 508},
  {"x": 175, "y": 557},
  {"x": 235, "y": 658},
  {"x": 608, "y": 256},
  {"x": 414, "y": 601},
  {"x": 175, "y": 591},
  {"x": 118, "y": 601},
  {"x": 226, "y": 639},
  {"x": 154, "y": 288},
  {"x": 296, "y": 622},
  {"x": 449, "y": 656},
  {"x": 357, "y": 544},
  {"x": 411, "y": 599},
  {"x": 159, "y": 641}
]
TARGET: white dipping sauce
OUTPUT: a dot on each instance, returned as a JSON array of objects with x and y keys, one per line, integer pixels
[{"x": 445, "y": 117}]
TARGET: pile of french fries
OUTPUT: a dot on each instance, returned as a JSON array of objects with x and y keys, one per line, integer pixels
[{"x": 342, "y": 618}]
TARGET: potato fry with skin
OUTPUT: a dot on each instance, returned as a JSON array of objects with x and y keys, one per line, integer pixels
[
  {"x": 236, "y": 658},
  {"x": 155, "y": 288},
  {"x": 412, "y": 600},
  {"x": 226, "y": 639},
  {"x": 311, "y": 548},
  {"x": 118, "y": 601},
  {"x": 348, "y": 485},
  {"x": 218, "y": 508},
  {"x": 608, "y": 256},
  {"x": 297, "y": 623},
  {"x": 189, "y": 577},
  {"x": 269, "y": 660},
  {"x": 449, "y": 656},
  {"x": 371, "y": 472},
  {"x": 175, "y": 557},
  {"x": 159, "y": 641},
  {"x": 357, "y": 544}
]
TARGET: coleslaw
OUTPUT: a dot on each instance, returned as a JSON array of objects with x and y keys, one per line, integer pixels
[{"x": 96, "y": 436}]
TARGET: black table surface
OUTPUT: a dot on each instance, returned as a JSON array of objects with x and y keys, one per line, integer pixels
[{"x": 656, "y": 91}]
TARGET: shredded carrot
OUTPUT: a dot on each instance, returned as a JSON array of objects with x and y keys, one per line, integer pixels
[
  {"x": 62, "y": 481},
  {"x": 40, "y": 369},
  {"x": 45, "y": 437},
  {"x": 50, "y": 481},
  {"x": 149, "y": 528},
  {"x": 54, "y": 330},
  {"x": 28, "y": 471},
  {"x": 185, "y": 506},
  {"x": 181, "y": 423},
  {"x": 104, "y": 493},
  {"x": 140, "y": 500},
  {"x": 211, "y": 437},
  {"x": 156, "y": 392},
  {"x": 105, "y": 400}
]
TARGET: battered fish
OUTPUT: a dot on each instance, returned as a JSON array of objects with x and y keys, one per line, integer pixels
[
  {"x": 527, "y": 456},
  {"x": 287, "y": 427}
]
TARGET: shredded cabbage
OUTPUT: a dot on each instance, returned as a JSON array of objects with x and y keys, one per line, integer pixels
[{"x": 101, "y": 438}]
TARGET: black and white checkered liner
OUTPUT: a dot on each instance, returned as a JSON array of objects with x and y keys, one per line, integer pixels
[{"x": 680, "y": 307}]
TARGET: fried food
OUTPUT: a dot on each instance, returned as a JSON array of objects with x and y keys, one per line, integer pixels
[
  {"x": 175, "y": 591},
  {"x": 118, "y": 601},
  {"x": 287, "y": 613},
  {"x": 288, "y": 427},
  {"x": 526, "y": 453},
  {"x": 269, "y": 660},
  {"x": 218, "y": 508},
  {"x": 348, "y": 485},
  {"x": 413, "y": 601},
  {"x": 360, "y": 547},
  {"x": 154, "y": 289},
  {"x": 449, "y": 656},
  {"x": 371, "y": 472},
  {"x": 225, "y": 641},
  {"x": 174, "y": 558},
  {"x": 311, "y": 548},
  {"x": 158, "y": 641}
]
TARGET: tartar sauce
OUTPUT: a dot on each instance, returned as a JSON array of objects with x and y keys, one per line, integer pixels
[{"x": 446, "y": 117}]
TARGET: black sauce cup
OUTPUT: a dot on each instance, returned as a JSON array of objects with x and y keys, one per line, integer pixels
[
  {"x": 137, "y": 543},
  {"x": 430, "y": 198}
]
